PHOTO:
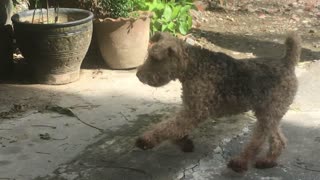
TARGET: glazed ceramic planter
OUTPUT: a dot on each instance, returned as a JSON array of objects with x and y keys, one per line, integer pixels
[{"x": 55, "y": 51}]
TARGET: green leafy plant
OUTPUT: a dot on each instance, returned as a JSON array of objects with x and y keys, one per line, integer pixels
[
  {"x": 108, "y": 8},
  {"x": 117, "y": 8},
  {"x": 169, "y": 15}
]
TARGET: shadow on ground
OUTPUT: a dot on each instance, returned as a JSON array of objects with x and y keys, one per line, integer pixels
[
  {"x": 94, "y": 59},
  {"x": 114, "y": 156},
  {"x": 298, "y": 161},
  {"x": 260, "y": 46},
  {"x": 111, "y": 154}
]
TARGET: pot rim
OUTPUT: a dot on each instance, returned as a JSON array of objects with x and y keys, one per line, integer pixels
[
  {"x": 142, "y": 15},
  {"x": 15, "y": 18}
]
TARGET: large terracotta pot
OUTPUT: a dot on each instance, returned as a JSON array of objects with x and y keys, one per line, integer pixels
[
  {"x": 123, "y": 42},
  {"x": 55, "y": 51}
]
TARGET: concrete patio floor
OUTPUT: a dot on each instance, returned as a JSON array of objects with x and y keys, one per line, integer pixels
[{"x": 86, "y": 131}]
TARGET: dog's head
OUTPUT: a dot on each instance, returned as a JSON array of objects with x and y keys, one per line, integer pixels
[{"x": 164, "y": 61}]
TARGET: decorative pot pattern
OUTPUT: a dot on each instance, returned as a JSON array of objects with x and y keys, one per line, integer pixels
[{"x": 55, "y": 51}]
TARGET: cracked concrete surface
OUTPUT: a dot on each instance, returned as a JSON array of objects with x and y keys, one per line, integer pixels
[{"x": 123, "y": 107}]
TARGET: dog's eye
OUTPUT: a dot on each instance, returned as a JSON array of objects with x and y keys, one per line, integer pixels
[{"x": 155, "y": 59}]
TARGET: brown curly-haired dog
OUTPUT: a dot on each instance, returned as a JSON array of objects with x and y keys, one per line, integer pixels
[{"x": 215, "y": 84}]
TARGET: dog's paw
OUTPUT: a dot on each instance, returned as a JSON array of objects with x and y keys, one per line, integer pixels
[
  {"x": 238, "y": 165},
  {"x": 185, "y": 144},
  {"x": 265, "y": 164},
  {"x": 144, "y": 144}
]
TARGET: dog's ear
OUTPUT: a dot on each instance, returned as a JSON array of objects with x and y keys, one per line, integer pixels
[
  {"x": 159, "y": 36},
  {"x": 156, "y": 37},
  {"x": 172, "y": 51}
]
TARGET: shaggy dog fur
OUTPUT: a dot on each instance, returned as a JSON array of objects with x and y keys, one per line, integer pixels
[{"x": 215, "y": 84}]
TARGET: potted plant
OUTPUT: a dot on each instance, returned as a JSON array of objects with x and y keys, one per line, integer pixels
[
  {"x": 121, "y": 32},
  {"x": 54, "y": 41},
  {"x": 6, "y": 49}
]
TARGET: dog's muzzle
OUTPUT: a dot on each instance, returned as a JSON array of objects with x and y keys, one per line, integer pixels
[
  {"x": 147, "y": 78},
  {"x": 140, "y": 76}
]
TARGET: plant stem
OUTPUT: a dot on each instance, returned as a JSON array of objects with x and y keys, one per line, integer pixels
[
  {"x": 56, "y": 11},
  {"x": 48, "y": 11},
  {"x": 42, "y": 19},
  {"x": 34, "y": 13}
]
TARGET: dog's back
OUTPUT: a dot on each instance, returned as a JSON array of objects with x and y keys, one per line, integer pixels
[
  {"x": 241, "y": 85},
  {"x": 269, "y": 80}
]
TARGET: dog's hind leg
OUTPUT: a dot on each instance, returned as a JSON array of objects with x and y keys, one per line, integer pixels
[
  {"x": 277, "y": 143},
  {"x": 268, "y": 119},
  {"x": 240, "y": 163}
]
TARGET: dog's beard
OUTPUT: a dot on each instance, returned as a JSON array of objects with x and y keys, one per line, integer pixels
[{"x": 155, "y": 80}]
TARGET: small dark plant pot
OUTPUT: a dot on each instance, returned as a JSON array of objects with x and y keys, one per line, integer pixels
[
  {"x": 6, "y": 49},
  {"x": 54, "y": 51}
]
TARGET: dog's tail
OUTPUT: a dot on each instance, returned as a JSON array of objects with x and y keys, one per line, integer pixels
[{"x": 293, "y": 48}]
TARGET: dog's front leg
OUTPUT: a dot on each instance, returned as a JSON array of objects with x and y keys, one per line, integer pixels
[{"x": 175, "y": 128}]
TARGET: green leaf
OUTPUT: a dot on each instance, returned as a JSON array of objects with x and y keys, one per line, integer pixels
[
  {"x": 164, "y": 27},
  {"x": 159, "y": 21},
  {"x": 171, "y": 26},
  {"x": 160, "y": 6},
  {"x": 167, "y": 13},
  {"x": 189, "y": 22},
  {"x": 183, "y": 28},
  {"x": 185, "y": 9},
  {"x": 154, "y": 29},
  {"x": 183, "y": 17},
  {"x": 176, "y": 11},
  {"x": 151, "y": 6}
]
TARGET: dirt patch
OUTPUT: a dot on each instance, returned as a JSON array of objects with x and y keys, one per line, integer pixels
[{"x": 258, "y": 28}]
